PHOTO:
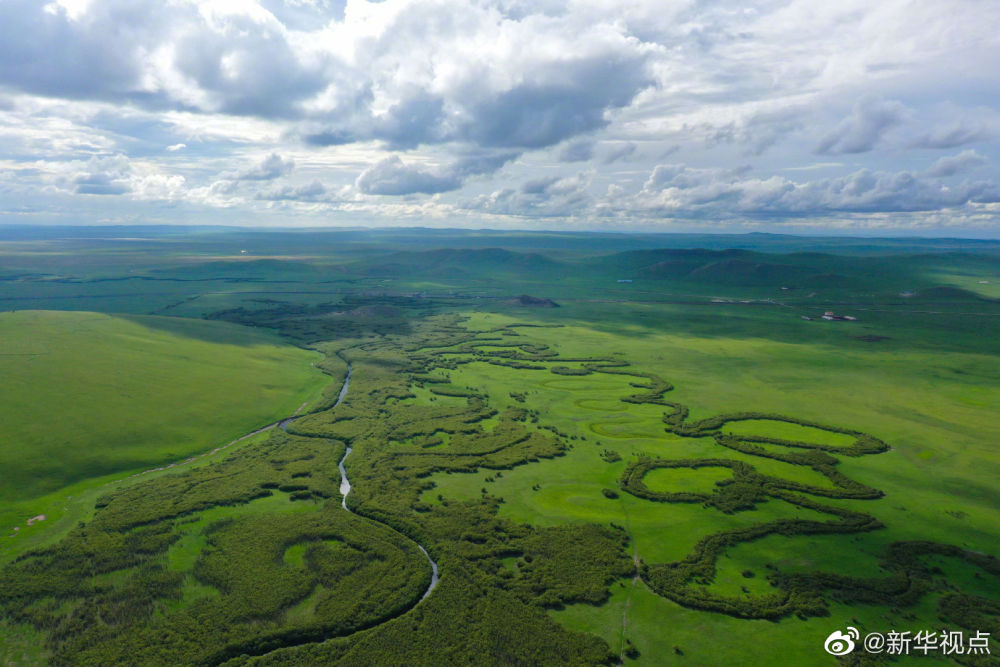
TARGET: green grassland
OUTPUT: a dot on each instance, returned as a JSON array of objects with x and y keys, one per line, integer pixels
[
  {"x": 678, "y": 470},
  {"x": 89, "y": 396},
  {"x": 157, "y": 271},
  {"x": 938, "y": 425}
]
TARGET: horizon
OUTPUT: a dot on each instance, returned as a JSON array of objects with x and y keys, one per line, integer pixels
[{"x": 876, "y": 235}]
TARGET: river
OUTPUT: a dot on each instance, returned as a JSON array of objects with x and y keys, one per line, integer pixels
[{"x": 345, "y": 485}]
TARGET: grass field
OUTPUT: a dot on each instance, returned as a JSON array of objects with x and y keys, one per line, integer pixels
[
  {"x": 86, "y": 396},
  {"x": 937, "y": 477},
  {"x": 520, "y": 441}
]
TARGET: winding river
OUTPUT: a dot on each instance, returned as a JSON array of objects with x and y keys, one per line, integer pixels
[{"x": 345, "y": 486}]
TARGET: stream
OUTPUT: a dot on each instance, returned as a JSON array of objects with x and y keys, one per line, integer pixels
[{"x": 345, "y": 486}]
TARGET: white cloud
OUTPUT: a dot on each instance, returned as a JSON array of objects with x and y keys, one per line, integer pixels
[
  {"x": 555, "y": 196},
  {"x": 577, "y": 151},
  {"x": 864, "y": 128},
  {"x": 964, "y": 161},
  {"x": 954, "y": 134},
  {"x": 311, "y": 192},
  {"x": 267, "y": 169},
  {"x": 111, "y": 175},
  {"x": 622, "y": 151},
  {"x": 357, "y": 103},
  {"x": 392, "y": 176},
  {"x": 717, "y": 192}
]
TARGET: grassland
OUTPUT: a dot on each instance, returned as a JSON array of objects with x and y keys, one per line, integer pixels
[
  {"x": 677, "y": 470},
  {"x": 939, "y": 425},
  {"x": 87, "y": 397}
]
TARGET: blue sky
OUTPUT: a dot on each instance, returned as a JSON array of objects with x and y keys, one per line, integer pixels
[{"x": 850, "y": 117}]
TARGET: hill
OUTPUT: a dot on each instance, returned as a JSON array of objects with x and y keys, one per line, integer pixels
[
  {"x": 87, "y": 394},
  {"x": 462, "y": 262},
  {"x": 732, "y": 267}
]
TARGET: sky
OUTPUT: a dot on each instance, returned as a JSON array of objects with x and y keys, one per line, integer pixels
[{"x": 853, "y": 117}]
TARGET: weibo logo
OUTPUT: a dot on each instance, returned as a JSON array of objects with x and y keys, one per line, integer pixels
[{"x": 840, "y": 643}]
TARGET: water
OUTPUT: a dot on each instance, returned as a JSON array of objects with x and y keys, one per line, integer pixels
[{"x": 345, "y": 484}]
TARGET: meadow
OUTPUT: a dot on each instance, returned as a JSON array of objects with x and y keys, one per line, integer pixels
[
  {"x": 936, "y": 477},
  {"x": 89, "y": 397},
  {"x": 692, "y": 467}
]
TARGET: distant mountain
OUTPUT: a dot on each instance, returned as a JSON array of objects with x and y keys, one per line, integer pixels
[
  {"x": 463, "y": 262},
  {"x": 729, "y": 267},
  {"x": 672, "y": 261}
]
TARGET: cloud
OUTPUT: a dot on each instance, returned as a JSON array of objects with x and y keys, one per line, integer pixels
[
  {"x": 669, "y": 150},
  {"x": 621, "y": 152},
  {"x": 182, "y": 92},
  {"x": 952, "y": 136},
  {"x": 101, "y": 184},
  {"x": 413, "y": 120},
  {"x": 230, "y": 57},
  {"x": 538, "y": 185},
  {"x": 392, "y": 176},
  {"x": 539, "y": 115},
  {"x": 717, "y": 192},
  {"x": 577, "y": 151},
  {"x": 328, "y": 137},
  {"x": 760, "y": 131},
  {"x": 115, "y": 175},
  {"x": 104, "y": 176},
  {"x": 663, "y": 175},
  {"x": 310, "y": 192},
  {"x": 224, "y": 187},
  {"x": 305, "y": 14},
  {"x": 218, "y": 194},
  {"x": 407, "y": 73},
  {"x": 949, "y": 166},
  {"x": 548, "y": 101},
  {"x": 555, "y": 196},
  {"x": 683, "y": 177},
  {"x": 154, "y": 185},
  {"x": 271, "y": 167},
  {"x": 864, "y": 128},
  {"x": 476, "y": 165}
]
